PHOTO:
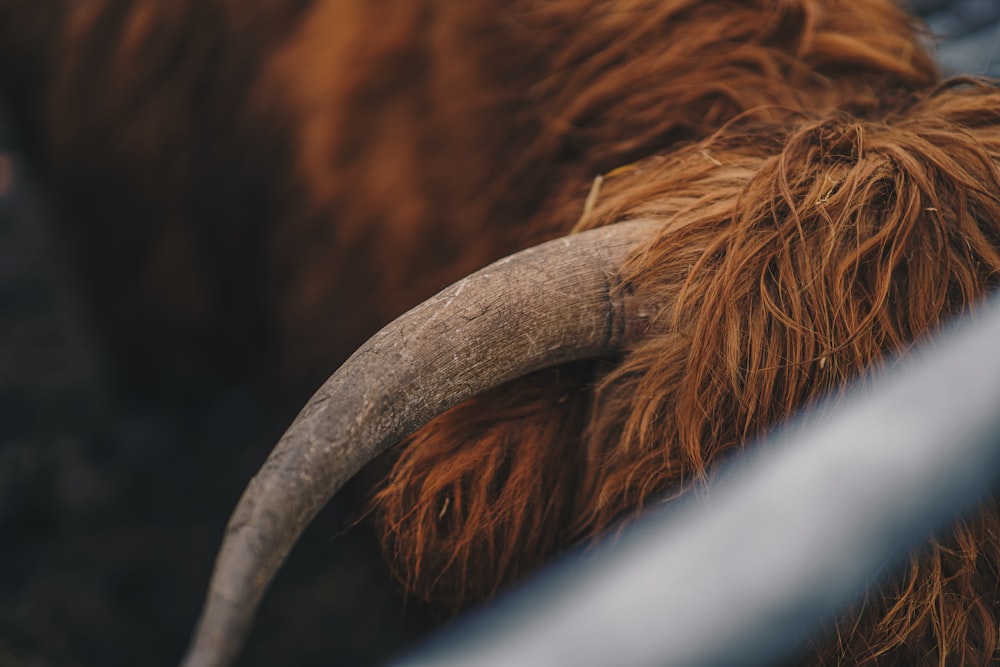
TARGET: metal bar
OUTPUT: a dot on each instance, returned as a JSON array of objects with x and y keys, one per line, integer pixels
[{"x": 786, "y": 539}]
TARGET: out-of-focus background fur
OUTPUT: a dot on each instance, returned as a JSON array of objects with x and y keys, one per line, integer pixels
[{"x": 112, "y": 502}]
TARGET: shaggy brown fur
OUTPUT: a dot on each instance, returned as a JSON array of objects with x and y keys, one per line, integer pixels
[
  {"x": 794, "y": 256},
  {"x": 277, "y": 153},
  {"x": 824, "y": 203},
  {"x": 799, "y": 247}
]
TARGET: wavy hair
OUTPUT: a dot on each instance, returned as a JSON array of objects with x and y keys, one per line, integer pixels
[{"x": 799, "y": 251}]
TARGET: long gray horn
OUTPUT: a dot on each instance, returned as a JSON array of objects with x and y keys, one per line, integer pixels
[{"x": 547, "y": 305}]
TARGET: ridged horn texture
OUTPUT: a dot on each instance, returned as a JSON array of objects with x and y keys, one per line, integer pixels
[{"x": 551, "y": 304}]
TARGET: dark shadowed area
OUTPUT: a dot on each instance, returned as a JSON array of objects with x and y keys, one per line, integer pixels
[{"x": 113, "y": 497}]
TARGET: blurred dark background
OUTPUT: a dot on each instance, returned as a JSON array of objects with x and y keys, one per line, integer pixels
[{"x": 113, "y": 501}]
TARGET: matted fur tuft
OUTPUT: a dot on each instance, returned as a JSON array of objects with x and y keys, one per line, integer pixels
[{"x": 799, "y": 251}]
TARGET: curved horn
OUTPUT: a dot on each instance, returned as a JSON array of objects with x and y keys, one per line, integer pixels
[{"x": 547, "y": 305}]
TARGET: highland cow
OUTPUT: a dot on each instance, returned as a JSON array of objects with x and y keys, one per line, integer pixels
[{"x": 805, "y": 196}]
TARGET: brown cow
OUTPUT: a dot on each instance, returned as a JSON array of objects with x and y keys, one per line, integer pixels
[{"x": 818, "y": 198}]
